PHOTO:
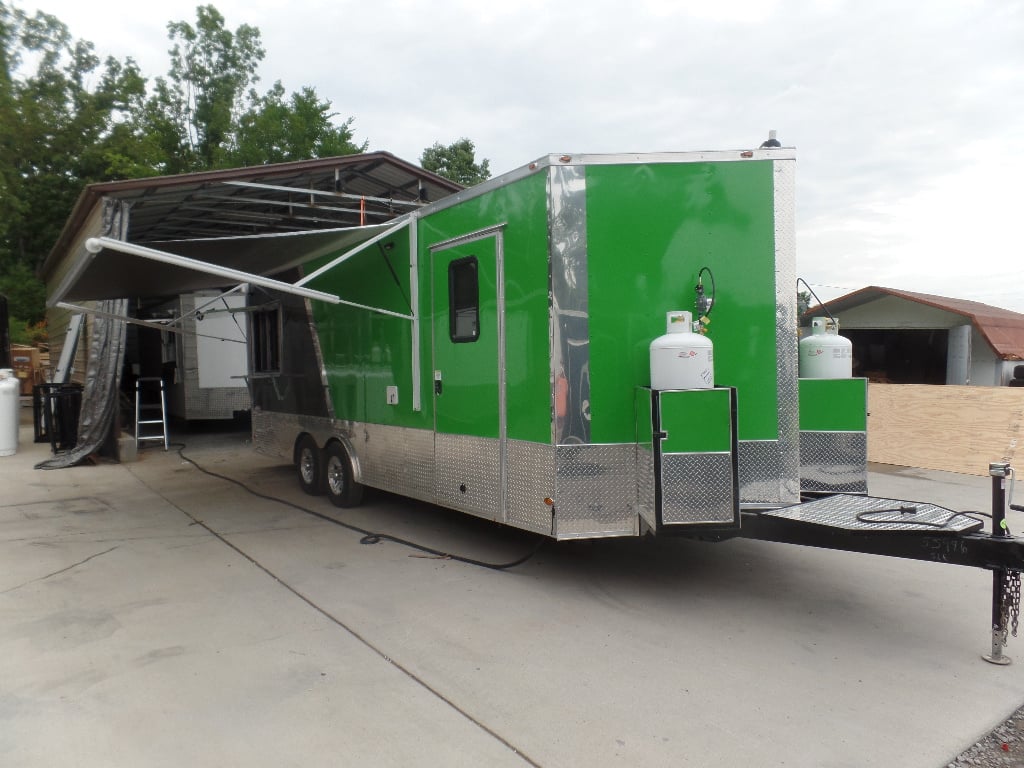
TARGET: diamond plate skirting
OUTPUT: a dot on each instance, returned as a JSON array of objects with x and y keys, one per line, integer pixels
[
  {"x": 696, "y": 488},
  {"x": 594, "y": 486},
  {"x": 834, "y": 462},
  {"x": 468, "y": 475},
  {"x": 396, "y": 458},
  {"x": 596, "y": 491},
  {"x": 531, "y": 479}
]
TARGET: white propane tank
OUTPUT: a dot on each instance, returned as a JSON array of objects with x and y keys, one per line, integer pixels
[
  {"x": 10, "y": 405},
  {"x": 682, "y": 359},
  {"x": 825, "y": 354}
]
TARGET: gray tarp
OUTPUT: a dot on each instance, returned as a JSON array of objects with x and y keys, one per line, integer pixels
[{"x": 103, "y": 372}]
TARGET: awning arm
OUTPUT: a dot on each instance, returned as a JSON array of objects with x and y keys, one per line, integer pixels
[
  {"x": 212, "y": 301},
  {"x": 402, "y": 222},
  {"x": 97, "y": 244},
  {"x": 169, "y": 327}
]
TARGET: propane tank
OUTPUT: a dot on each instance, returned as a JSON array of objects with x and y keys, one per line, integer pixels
[
  {"x": 824, "y": 354},
  {"x": 10, "y": 404},
  {"x": 682, "y": 359}
]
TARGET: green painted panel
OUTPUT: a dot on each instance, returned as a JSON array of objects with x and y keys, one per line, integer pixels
[
  {"x": 650, "y": 229},
  {"x": 833, "y": 405},
  {"x": 696, "y": 420},
  {"x": 365, "y": 352},
  {"x": 521, "y": 205}
]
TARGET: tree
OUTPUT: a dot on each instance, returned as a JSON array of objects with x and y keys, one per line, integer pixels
[
  {"x": 193, "y": 111},
  {"x": 803, "y": 302},
  {"x": 207, "y": 114},
  {"x": 66, "y": 121},
  {"x": 274, "y": 130},
  {"x": 55, "y": 135},
  {"x": 456, "y": 162}
]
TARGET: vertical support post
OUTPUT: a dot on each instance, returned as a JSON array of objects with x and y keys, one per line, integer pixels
[{"x": 999, "y": 471}]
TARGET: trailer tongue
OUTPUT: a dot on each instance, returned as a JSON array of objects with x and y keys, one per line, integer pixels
[{"x": 911, "y": 530}]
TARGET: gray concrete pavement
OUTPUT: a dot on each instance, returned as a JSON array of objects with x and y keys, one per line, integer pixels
[{"x": 153, "y": 615}]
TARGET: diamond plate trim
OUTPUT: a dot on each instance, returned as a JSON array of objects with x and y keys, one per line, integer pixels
[
  {"x": 531, "y": 479},
  {"x": 468, "y": 475},
  {"x": 787, "y": 459},
  {"x": 273, "y": 434},
  {"x": 696, "y": 488},
  {"x": 841, "y": 511},
  {"x": 596, "y": 491},
  {"x": 834, "y": 462},
  {"x": 760, "y": 472},
  {"x": 397, "y": 459}
]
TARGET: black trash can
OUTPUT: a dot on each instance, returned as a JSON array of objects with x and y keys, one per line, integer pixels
[
  {"x": 40, "y": 420},
  {"x": 62, "y": 405}
]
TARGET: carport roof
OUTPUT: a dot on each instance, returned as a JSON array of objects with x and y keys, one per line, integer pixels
[
  {"x": 1001, "y": 328},
  {"x": 325, "y": 193}
]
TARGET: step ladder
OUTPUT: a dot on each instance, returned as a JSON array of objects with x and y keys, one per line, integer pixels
[{"x": 147, "y": 407}]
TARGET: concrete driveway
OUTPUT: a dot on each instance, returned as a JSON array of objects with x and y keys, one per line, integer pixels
[{"x": 152, "y": 615}]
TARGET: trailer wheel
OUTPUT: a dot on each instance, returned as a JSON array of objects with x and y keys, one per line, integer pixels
[
  {"x": 341, "y": 489},
  {"x": 308, "y": 461}
]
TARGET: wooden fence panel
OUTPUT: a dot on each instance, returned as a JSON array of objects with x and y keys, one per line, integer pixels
[{"x": 951, "y": 428}]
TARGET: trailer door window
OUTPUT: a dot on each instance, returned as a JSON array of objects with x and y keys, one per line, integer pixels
[
  {"x": 266, "y": 340},
  {"x": 463, "y": 300}
]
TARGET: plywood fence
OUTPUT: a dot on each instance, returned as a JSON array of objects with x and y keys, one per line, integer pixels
[{"x": 956, "y": 429}]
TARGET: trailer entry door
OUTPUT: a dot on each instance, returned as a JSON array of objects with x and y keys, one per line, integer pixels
[{"x": 468, "y": 374}]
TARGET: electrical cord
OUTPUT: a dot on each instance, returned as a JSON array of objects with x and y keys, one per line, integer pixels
[{"x": 368, "y": 537}]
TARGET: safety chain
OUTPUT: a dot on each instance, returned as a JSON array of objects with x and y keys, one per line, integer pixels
[
  {"x": 1011, "y": 585},
  {"x": 1009, "y": 606}
]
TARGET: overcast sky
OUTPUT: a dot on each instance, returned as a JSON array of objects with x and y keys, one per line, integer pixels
[{"x": 907, "y": 116}]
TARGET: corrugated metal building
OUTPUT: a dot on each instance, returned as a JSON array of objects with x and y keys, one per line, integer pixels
[{"x": 903, "y": 337}]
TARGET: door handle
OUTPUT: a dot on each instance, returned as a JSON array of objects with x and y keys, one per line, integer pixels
[{"x": 437, "y": 383}]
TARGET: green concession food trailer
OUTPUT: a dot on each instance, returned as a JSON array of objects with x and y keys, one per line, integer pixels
[{"x": 491, "y": 353}]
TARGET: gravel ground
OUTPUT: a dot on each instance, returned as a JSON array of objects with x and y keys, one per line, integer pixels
[{"x": 1002, "y": 748}]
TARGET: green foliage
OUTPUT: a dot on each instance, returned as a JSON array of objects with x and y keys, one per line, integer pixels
[
  {"x": 456, "y": 162},
  {"x": 204, "y": 93},
  {"x": 28, "y": 333},
  {"x": 26, "y": 294},
  {"x": 68, "y": 120},
  {"x": 274, "y": 130},
  {"x": 803, "y": 302}
]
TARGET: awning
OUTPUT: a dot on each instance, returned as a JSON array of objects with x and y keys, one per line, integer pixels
[{"x": 116, "y": 269}]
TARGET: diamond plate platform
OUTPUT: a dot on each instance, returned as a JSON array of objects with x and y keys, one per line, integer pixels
[{"x": 869, "y": 513}]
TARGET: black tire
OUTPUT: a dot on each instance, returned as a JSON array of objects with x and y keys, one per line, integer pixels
[
  {"x": 310, "y": 466},
  {"x": 341, "y": 488},
  {"x": 1018, "y": 371}
]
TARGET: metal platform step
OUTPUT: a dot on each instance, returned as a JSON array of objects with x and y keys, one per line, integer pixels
[{"x": 872, "y": 514}]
